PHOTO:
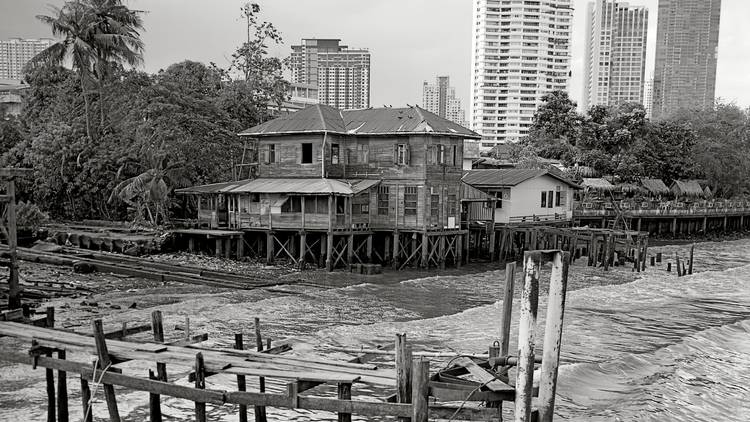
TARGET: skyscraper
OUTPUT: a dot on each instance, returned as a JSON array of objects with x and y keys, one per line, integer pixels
[
  {"x": 521, "y": 51},
  {"x": 341, "y": 74},
  {"x": 615, "y": 60},
  {"x": 16, "y": 52},
  {"x": 440, "y": 98},
  {"x": 687, "y": 38}
]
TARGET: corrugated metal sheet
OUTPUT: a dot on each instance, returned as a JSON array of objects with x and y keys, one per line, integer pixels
[
  {"x": 310, "y": 186},
  {"x": 485, "y": 178},
  {"x": 472, "y": 194},
  {"x": 372, "y": 121},
  {"x": 362, "y": 185},
  {"x": 597, "y": 184},
  {"x": 211, "y": 188},
  {"x": 655, "y": 186}
]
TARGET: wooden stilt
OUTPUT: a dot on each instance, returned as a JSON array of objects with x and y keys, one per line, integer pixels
[
  {"x": 526, "y": 329},
  {"x": 420, "y": 390},
  {"x": 507, "y": 312},
  {"x": 200, "y": 382},
  {"x": 329, "y": 252},
  {"x": 103, "y": 364},
  {"x": 269, "y": 247},
  {"x": 240, "y": 247},
  {"x": 241, "y": 385},
  {"x": 368, "y": 247},
  {"x": 403, "y": 371},
  {"x": 396, "y": 247},
  {"x": 260, "y": 411},
  {"x": 349, "y": 251},
  {"x": 50, "y": 378},
  {"x": 302, "y": 249},
  {"x": 62, "y": 391},
  {"x": 86, "y": 400},
  {"x": 425, "y": 250},
  {"x": 459, "y": 250},
  {"x": 344, "y": 393},
  {"x": 690, "y": 265},
  {"x": 441, "y": 250}
]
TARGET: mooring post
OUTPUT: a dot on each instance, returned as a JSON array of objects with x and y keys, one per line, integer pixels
[
  {"x": 345, "y": 393},
  {"x": 241, "y": 385},
  {"x": 260, "y": 411},
  {"x": 403, "y": 371},
  {"x": 553, "y": 335},
  {"x": 157, "y": 326},
  {"x": 86, "y": 400},
  {"x": 420, "y": 390},
  {"x": 154, "y": 402},
  {"x": 50, "y": 378},
  {"x": 690, "y": 264},
  {"x": 200, "y": 382},
  {"x": 14, "y": 290},
  {"x": 526, "y": 328},
  {"x": 104, "y": 363},
  {"x": 507, "y": 312},
  {"x": 62, "y": 391},
  {"x": 677, "y": 260}
]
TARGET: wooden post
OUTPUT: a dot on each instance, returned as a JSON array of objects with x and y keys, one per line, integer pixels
[
  {"x": 329, "y": 252},
  {"x": 302, "y": 249},
  {"x": 403, "y": 371},
  {"x": 86, "y": 400},
  {"x": 553, "y": 335},
  {"x": 425, "y": 250},
  {"x": 459, "y": 250},
  {"x": 349, "y": 251},
  {"x": 415, "y": 263},
  {"x": 526, "y": 328},
  {"x": 645, "y": 252},
  {"x": 154, "y": 402},
  {"x": 492, "y": 230},
  {"x": 677, "y": 260},
  {"x": 507, "y": 312},
  {"x": 607, "y": 245},
  {"x": 62, "y": 391},
  {"x": 690, "y": 265},
  {"x": 441, "y": 251},
  {"x": 14, "y": 290},
  {"x": 658, "y": 257},
  {"x": 396, "y": 247},
  {"x": 269, "y": 247},
  {"x": 368, "y": 247},
  {"x": 669, "y": 267},
  {"x": 218, "y": 243},
  {"x": 104, "y": 363},
  {"x": 200, "y": 382},
  {"x": 241, "y": 386},
  {"x": 260, "y": 411},
  {"x": 345, "y": 393},
  {"x": 157, "y": 327},
  {"x": 420, "y": 390},
  {"x": 50, "y": 378},
  {"x": 466, "y": 246}
]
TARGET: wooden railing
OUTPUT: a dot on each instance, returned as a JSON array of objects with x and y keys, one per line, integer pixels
[
  {"x": 658, "y": 208},
  {"x": 536, "y": 218}
]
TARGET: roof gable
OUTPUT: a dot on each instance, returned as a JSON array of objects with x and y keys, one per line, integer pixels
[
  {"x": 315, "y": 118},
  {"x": 508, "y": 177}
]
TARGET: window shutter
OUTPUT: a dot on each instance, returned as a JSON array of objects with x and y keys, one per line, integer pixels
[
  {"x": 431, "y": 154},
  {"x": 408, "y": 154},
  {"x": 395, "y": 153},
  {"x": 264, "y": 154}
]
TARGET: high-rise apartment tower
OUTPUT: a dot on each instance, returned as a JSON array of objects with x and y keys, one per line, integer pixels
[
  {"x": 687, "y": 39},
  {"x": 615, "y": 60},
  {"x": 440, "y": 98},
  {"x": 16, "y": 52},
  {"x": 341, "y": 74},
  {"x": 520, "y": 52}
]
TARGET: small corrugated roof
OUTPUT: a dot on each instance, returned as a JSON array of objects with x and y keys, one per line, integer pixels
[
  {"x": 472, "y": 194},
  {"x": 508, "y": 177},
  {"x": 597, "y": 183},
  {"x": 687, "y": 187},
  {"x": 655, "y": 186},
  {"x": 303, "y": 186},
  {"x": 320, "y": 118}
]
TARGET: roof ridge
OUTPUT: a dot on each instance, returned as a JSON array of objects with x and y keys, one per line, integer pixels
[{"x": 419, "y": 113}]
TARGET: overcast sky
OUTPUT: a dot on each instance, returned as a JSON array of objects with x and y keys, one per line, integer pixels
[{"x": 409, "y": 40}]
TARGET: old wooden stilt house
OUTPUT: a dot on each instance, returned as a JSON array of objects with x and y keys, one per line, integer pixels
[{"x": 344, "y": 187}]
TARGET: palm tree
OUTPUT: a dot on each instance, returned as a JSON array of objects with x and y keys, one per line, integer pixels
[{"x": 94, "y": 34}]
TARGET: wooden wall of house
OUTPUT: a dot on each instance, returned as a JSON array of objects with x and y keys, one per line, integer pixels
[{"x": 287, "y": 156}]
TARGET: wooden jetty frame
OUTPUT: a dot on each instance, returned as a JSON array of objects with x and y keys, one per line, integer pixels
[
  {"x": 8, "y": 230},
  {"x": 416, "y": 390}
]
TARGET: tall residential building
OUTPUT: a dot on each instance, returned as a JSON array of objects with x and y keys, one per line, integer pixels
[
  {"x": 687, "y": 39},
  {"x": 341, "y": 74},
  {"x": 615, "y": 60},
  {"x": 521, "y": 51},
  {"x": 16, "y": 52},
  {"x": 648, "y": 96},
  {"x": 440, "y": 98}
]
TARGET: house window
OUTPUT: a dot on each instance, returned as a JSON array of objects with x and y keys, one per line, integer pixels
[
  {"x": 340, "y": 205},
  {"x": 335, "y": 153},
  {"x": 293, "y": 204},
  {"x": 435, "y": 206},
  {"x": 410, "y": 200},
  {"x": 360, "y": 209},
  {"x": 401, "y": 154},
  {"x": 383, "y": 200},
  {"x": 544, "y": 199},
  {"x": 499, "y": 201},
  {"x": 254, "y": 197},
  {"x": 455, "y": 154},
  {"x": 451, "y": 205},
  {"x": 270, "y": 154},
  {"x": 307, "y": 154},
  {"x": 563, "y": 198},
  {"x": 441, "y": 154},
  {"x": 549, "y": 199},
  {"x": 557, "y": 197}
]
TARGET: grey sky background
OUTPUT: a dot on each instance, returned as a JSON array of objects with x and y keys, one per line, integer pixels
[{"x": 410, "y": 40}]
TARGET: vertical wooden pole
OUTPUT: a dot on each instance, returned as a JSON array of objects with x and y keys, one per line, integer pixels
[
  {"x": 396, "y": 247},
  {"x": 414, "y": 263},
  {"x": 459, "y": 246},
  {"x": 466, "y": 246},
  {"x": 492, "y": 230},
  {"x": 62, "y": 391},
  {"x": 349, "y": 251},
  {"x": 441, "y": 250},
  {"x": 302, "y": 249},
  {"x": 553, "y": 335},
  {"x": 50, "y": 378},
  {"x": 200, "y": 382},
  {"x": 154, "y": 402},
  {"x": 420, "y": 390},
  {"x": 86, "y": 400},
  {"x": 368, "y": 247},
  {"x": 690, "y": 265},
  {"x": 345, "y": 393},
  {"x": 425, "y": 250},
  {"x": 240, "y": 246},
  {"x": 104, "y": 363},
  {"x": 329, "y": 252},
  {"x": 403, "y": 371},
  {"x": 526, "y": 329},
  {"x": 260, "y": 411},
  {"x": 157, "y": 326},
  {"x": 605, "y": 255},
  {"x": 241, "y": 385},
  {"x": 14, "y": 290},
  {"x": 507, "y": 312},
  {"x": 269, "y": 247}
]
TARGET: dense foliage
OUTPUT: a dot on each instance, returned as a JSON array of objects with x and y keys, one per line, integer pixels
[
  {"x": 622, "y": 142},
  {"x": 103, "y": 139}
]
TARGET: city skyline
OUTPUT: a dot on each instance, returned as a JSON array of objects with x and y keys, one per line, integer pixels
[
  {"x": 440, "y": 98},
  {"x": 402, "y": 45}
]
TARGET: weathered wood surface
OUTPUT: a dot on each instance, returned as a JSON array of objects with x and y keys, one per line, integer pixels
[{"x": 487, "y": 379}]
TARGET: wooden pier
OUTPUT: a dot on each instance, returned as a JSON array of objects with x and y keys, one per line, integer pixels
[{"x": 417, "y": 393}]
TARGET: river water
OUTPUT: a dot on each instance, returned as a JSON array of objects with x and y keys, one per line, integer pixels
[{"x": 649, "y": 348}]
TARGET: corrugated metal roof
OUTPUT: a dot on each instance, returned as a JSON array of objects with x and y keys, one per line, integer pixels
[
  {"x": 472, "y": 194},
  {"x": 655, "y": 186},
  {"x": 597, "y": 183},
  {"x": 372, "y": 121},
  {"x": 309, "y": 186},
  {"x": 508, "y": 177},
  {"x": 687, "y": 187}
]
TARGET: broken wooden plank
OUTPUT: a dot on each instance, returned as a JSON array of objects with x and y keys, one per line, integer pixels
[{"x": 482, "y": 375}]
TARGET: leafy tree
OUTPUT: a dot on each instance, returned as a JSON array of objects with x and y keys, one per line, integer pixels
[{"x": 556, "y": 127}]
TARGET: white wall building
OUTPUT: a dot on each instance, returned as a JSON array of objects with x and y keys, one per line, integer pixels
[
  {"x": 520, "y": 52},
  {"x": 615, "y": 59},
  {"x": 440, "y": 98},
  {"x": 16, "y": 52},
  {"x": 341, "y": 74}
]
